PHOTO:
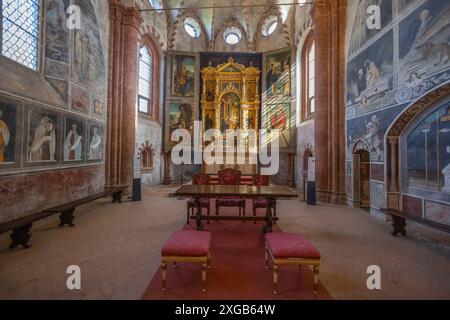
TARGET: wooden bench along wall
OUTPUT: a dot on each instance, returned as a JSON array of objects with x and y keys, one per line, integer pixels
[
  {"x": 399, "y": 222},
  {"x": 21, "y": 227}
]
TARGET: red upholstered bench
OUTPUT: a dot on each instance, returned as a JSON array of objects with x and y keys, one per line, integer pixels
[
  {"x": 187, "y": 246},
  {"x": 293, "y": 249}
]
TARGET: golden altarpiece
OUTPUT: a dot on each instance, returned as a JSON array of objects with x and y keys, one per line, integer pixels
[{"x": 230, "y": 100}]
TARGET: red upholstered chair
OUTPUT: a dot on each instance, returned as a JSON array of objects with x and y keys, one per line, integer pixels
[
  {"x": 261, "y": 181},
  {"x": 291, "y": 249},
  {"x": 199, "y": 179},
  {"x": 230, "y": 177},
  {"x": 187, "y": 246}
]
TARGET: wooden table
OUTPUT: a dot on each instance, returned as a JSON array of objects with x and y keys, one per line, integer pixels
[{"x": 271, "y": 193}]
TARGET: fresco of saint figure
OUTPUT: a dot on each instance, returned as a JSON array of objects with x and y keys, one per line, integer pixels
[
  {"x": 181, "y": 116},
  {"x": 73, "y": 144},
  {"x": 95, "y": 145},
  {"x": 183, "y": 76},
  {"x": 5, "y": 136},
  {"x": 278, "y": 76},
  {"x": 43, "y": 145}
]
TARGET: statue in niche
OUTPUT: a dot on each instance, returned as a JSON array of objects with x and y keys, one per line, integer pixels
[
  {"x": 209, "y": 119},
  {"x": 210, "y": 87}
]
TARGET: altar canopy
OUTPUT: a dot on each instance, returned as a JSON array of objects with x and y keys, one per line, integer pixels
[{"x": 230, "y": 100}]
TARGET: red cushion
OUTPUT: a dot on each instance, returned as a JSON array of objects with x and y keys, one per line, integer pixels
[
  {"x": 261, "y": 202},
  {"x": 287, "y": 245},
  {"x": 187, "y": 243}
]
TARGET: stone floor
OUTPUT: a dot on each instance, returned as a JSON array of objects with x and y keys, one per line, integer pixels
[{"x": 117, "y": 248}]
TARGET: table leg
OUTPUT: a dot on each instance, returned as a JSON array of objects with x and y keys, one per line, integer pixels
[
  {"x": 198, "y": 215},
  {"x": 269, "y": 217}
]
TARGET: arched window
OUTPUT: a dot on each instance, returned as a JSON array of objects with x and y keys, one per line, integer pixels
[
  {"x": 147, "y": 156},
  {"x": 145, "y": 80},
  {"x": 308, "y": 85},
  {"x": 20, "y": 25},
  {"x": 148, "y": 73}
]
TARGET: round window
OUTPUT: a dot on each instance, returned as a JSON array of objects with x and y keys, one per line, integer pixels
[
  {"x": 269, "y": 26},
  {"x": 232, "y": 35},
  {"x": 192, "y": 27}
]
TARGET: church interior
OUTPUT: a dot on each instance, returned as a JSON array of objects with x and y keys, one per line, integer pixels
[{"x": 117, "y": 116}]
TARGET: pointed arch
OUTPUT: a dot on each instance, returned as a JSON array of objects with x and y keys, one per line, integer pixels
[{"x": 148, "y": 78}]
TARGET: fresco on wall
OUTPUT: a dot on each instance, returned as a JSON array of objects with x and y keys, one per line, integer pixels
[
  {"x": 371, "y": 128},
  {"x": 88, "y": 59},
  {"x": 183, "y": 76},
  {"x": 181, "y": 116},
  {"x": 361, "y": 34},
  {"x": 74, "y": 139},
  {"x": 43, "y": 136},
  {"x": 60, "y": 86},
  {"x": 428, "y": 150},
  {"x": 99, "y": 108},
  {"x": 425, "y": 47},
  {"x": 56, "y": 69},
  {"x": 277, "y": 116},
  {"x": 370, "y": 74},
  {"x": 95, "y": 141},
  {"x": 278, "y": 74},
  {"x": 406, "y": 4},
  {"x": 56, "y": 32},
  {"x": 8, "y": 123},
  {"x": 80, "y": 99}
]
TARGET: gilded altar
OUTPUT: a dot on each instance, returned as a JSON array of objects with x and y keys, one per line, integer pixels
[{"x": 230, "y": 99}]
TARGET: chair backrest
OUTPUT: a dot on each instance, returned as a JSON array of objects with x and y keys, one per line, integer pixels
[
  {"x": 229, "y": 177},
  {"x": 260, "y": 181},
  {"x": 201, "y": 179}
]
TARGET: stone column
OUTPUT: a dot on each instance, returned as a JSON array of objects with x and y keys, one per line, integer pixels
[
  {"x": 329, "y": 119},
  {"x": 320, "y": 17},
  {"x": 123, "y": 49}
]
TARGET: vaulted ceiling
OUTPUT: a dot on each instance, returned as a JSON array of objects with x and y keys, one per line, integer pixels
[{"x": 214, "y": 14}]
